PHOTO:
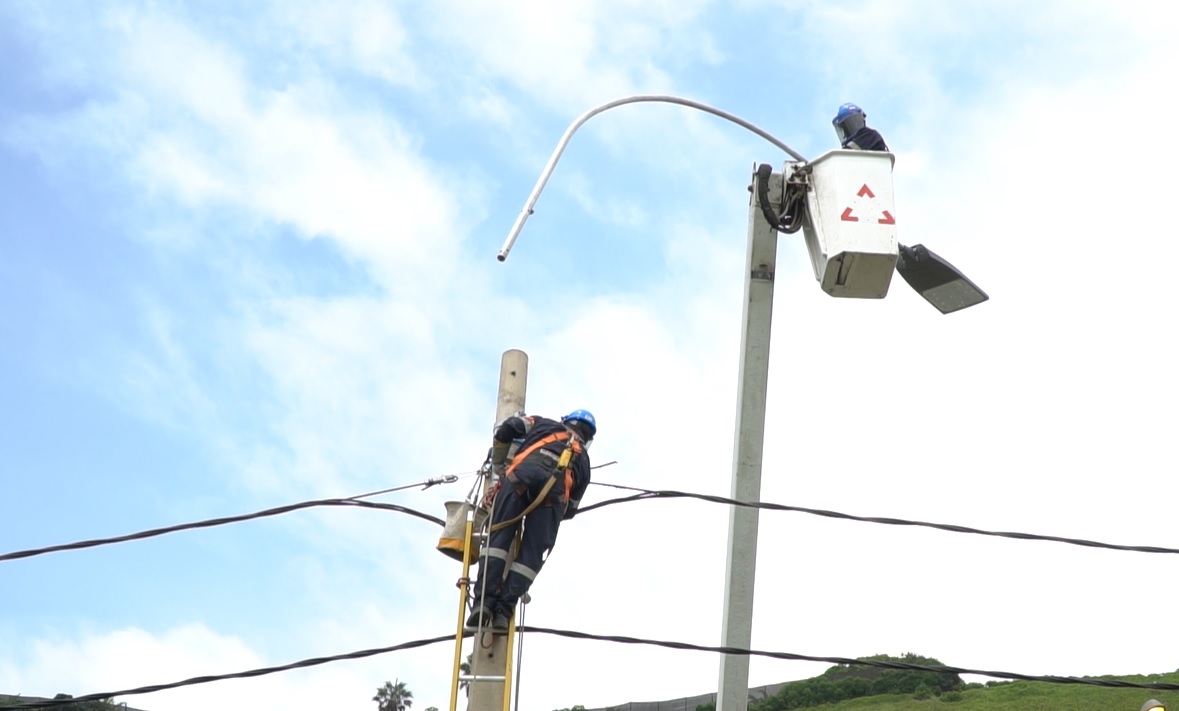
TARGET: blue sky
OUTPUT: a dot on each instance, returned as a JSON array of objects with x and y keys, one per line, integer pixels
[{"x": 247, "y": 259}]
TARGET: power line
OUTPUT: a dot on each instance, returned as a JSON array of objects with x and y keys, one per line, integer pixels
[
  {"x": 209, "y": 523},
  {"x": 1113, "y": 683},
  {"x": 278, "y": 510},
  {"x": 316, "y": 661},
  {"x": 617, "y": 639},
  {"x": 645, "y": 494},
  {"x": 642, "y": 494},
  {"x": 448, "y": 479}
]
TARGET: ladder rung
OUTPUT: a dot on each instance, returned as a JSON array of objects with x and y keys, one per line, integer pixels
[{"x": 482, "y": 677}]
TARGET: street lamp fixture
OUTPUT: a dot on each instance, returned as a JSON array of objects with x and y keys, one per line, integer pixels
[{"x": 938, "y": 281}]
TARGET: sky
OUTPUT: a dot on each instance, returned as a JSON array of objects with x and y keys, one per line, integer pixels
[{"x": 247, "y": 258}]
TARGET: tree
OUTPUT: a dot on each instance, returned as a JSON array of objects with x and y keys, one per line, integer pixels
[{"x": 393, "y": 697}]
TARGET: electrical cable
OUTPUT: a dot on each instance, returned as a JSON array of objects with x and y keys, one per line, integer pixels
[
  {"x": 650, "y": 494},
  {"x": 519, "y": 656},
  {"x": 794, "y": 209},
  {"x": 316, "y": 661},
  {"x": 483, "y": 541},
  {"x": 641, "y": 494},
  {"x": 618, "y": 639},
  {"x": 221, "y": 521},
  {"x": 793, "y": 204},
  {"x": 448, "y": 479},
  {"x": 1112, "y": 683}
]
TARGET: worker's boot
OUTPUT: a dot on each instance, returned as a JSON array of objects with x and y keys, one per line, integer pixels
[
  {"x": 501, "y": 619},
  {"x": 481, "y": 616}
]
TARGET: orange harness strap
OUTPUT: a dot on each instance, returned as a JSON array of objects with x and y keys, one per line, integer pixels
[
  {"x": 556, "y": 437},
  {"x": 575, "y": 445}
]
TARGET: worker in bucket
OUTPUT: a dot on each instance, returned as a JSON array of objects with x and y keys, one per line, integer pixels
[
  {"x": 851, "y": 126},
  {"x": 541, "y": 488}
]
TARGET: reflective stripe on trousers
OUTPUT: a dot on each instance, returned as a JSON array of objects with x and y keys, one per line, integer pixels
[{"x": 539, "y": 535}]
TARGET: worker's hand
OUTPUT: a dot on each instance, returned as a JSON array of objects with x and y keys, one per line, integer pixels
[
  {"x": 499, "y": 471},
  {"x": 489, "y": 497}
]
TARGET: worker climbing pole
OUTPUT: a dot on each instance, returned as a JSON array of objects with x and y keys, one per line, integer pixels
[
  {"x": 534, "y": 477},
  {"x": 468, "y": 528},
  {"x": 536, "y": 489}
]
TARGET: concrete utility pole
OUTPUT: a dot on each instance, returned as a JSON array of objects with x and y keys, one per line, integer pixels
[
  {"x": 492, "y": 660},
  {"x": 737, "y": 624}
]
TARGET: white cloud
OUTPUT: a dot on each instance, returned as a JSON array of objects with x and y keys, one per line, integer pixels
[
  {"x": 212, "y": 141},
  {"x": 189, "y": 125},
  {"x": 569, "y": 54},
  {"x": 536, "y": 63},
  {"x": 360, "y": 35}
]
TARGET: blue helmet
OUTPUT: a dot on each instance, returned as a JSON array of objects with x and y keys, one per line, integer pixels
[
  {"x": 585, "y": 418},
  {"x": 849, "y": 119}
]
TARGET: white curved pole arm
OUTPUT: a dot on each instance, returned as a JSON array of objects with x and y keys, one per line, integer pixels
[{"x": 640, "y": 98}]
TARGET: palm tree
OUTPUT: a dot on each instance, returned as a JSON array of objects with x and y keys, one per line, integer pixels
[{"x": 393, "y": 697}]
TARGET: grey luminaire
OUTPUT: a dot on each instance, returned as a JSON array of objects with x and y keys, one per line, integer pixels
[{"x": 937, "y": 280}]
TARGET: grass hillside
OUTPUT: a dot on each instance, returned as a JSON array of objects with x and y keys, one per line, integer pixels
[
  {"x": 1023, "y": 696},
  {"x": 867, "y": 688}
]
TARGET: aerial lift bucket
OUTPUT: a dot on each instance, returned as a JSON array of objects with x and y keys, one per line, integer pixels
[
  {"x": 451, "y": 542},
  {"x": 850, "y": 228}
]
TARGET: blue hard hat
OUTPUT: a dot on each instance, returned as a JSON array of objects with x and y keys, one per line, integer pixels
[
  {"x": 584, "y": 417},
  {"x": 849, "y": 119},
  {"x": 845, "y": 111}
]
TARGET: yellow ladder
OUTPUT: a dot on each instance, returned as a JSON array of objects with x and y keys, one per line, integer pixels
[{"x": 463, "y": 585}]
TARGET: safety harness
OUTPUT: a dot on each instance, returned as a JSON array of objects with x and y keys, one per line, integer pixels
[{"x": 561, "y": 465}]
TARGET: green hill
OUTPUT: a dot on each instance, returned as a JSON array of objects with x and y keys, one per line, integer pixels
[
  {"x": 1022, "y": 696},
  {"x": 865, "y": 688}
]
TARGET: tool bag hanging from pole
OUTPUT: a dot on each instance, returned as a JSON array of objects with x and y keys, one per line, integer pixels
[{"x": 451, "y": 542}]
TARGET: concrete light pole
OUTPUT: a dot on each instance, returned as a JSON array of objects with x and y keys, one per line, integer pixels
[{"x": 753, "y": 378}]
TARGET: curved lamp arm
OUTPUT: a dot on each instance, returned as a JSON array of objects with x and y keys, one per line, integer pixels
[{"x": 641, "y": 98}]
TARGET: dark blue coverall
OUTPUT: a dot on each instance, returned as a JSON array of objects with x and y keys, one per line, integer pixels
[
  {"x": 523, "y": 482},
  {"x": 866, "y": 139}
]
